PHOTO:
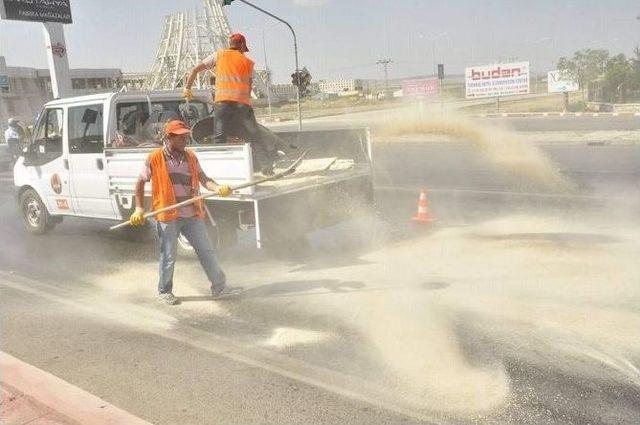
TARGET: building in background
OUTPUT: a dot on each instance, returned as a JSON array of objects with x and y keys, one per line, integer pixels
[
  {"x": 27, "y": 89},
  {"x": 340, "y": 85},
  {"x": 134, "y": 80}
]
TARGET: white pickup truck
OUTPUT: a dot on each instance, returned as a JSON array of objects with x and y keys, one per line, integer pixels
[{"x": 87, "y": 152}]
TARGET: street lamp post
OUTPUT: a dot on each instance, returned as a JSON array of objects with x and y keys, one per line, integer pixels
[
  {"x": 385, "y": 63},
  {"x": 295, "y": 49},
  {"x": 433, "y": 40}
]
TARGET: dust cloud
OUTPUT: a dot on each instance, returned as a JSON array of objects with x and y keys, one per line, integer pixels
[
  {"x": 448, "y": 313},
  {"x": 505, "y": 149}
]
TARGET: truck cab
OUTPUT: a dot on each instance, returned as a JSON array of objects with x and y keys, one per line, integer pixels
[{"x": 64, "y": 164}]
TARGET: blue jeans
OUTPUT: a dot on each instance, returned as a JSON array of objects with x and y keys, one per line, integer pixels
[{"x": 195, "y": 231}]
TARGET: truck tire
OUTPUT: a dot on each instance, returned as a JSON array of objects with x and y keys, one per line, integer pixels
[{"x": 35, "y": 216}]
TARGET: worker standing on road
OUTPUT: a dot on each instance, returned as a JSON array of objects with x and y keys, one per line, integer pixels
[
  {"x": 175, "y": 176},
  {"x": 14, "y": 135},
  {"x": 233, "y": 114}
]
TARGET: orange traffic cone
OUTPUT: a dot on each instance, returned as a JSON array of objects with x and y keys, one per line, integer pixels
[{"x": 423, "y": 215}]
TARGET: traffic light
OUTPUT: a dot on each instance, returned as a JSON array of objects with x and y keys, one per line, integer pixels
[{"x": 226, "y": 2}]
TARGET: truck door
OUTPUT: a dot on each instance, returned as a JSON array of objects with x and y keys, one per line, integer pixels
[
  {"x": 86, "y": 157},
  {"x": 47, "y": 164}
]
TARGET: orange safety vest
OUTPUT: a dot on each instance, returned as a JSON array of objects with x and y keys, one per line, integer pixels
[
  {"x": 162, "y": 188},
  {"x": 234, "y": 72}
]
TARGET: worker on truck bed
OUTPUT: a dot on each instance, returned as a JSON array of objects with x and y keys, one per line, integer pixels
[
  {"x": 233, "y": 114},
  {"x": 175, "y": 176}
]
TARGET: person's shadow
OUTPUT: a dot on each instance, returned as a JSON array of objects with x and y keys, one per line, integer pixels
[
  {"x": 291, "y": 288},
  {"x": 300, "y": 287}
]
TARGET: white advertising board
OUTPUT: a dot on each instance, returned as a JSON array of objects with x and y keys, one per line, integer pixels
[
  {"x": 503, "y": 79},
  {"x": 557, "y": 82}
]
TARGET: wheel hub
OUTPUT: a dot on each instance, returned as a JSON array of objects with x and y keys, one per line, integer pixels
[{"x": 33, "y": 212}]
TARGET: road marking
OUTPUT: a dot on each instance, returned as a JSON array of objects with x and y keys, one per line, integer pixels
[
  {"x": 288, "y": 367},
  {"x": 417, "y": 189},
  {"x": 61, "y": 396}
]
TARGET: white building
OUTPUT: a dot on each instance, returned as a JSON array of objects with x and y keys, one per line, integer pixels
[
  {"x": 284, "y": 91},
  {"x": 340, "y": 85},
  {"x": 29, "y": 88}
]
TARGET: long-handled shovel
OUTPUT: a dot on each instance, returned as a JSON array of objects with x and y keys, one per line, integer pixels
[{"x": 289, "y": 170}]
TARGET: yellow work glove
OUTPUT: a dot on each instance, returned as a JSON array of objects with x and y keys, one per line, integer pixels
[
  {"x": 186, "y": 93},
  {"x": 224, "y": 190},
  {"x": 137, "y": 218}
]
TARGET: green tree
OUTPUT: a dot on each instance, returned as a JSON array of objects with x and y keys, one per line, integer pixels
[
  {"x": 585, "y": 66},
  {"x": 618, "y": 78}
]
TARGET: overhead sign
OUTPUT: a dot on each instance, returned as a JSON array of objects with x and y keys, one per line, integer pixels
[
  {"x": 426, "y": 87},
  {"x": 36, "y": 10},
  {"x": 503, "y": 79},
  {"x": 559, "y": 82}
]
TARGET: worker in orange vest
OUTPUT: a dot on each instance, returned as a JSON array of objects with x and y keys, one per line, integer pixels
[
  {"x": 233, "y": 113},
  {"x": 176, "y": 176}
]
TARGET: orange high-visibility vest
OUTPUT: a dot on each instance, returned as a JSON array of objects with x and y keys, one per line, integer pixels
[
  {"x": 234, "y": 72},
  {"x": 162, "y": 188}
]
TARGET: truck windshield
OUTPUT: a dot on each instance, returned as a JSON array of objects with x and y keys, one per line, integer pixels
[{"x": 136, "y": 126}]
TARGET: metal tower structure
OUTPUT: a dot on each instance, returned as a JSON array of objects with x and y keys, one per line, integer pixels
[{"x": 187, "y": 39}]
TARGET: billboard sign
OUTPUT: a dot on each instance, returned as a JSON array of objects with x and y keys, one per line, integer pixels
[
  {"x": 426, "y": 87},
  {"x": 559, "y": 82},
  {"x": 36, "y": 10},
  {"x": 503, "y": 79}
]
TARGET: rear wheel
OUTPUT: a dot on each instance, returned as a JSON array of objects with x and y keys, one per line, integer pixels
[{"x": 35, "y": 216}]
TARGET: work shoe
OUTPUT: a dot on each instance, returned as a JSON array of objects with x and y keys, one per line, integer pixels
[
  {"x": 168, "y": 298},
  {"x": 227, "y": 292}
]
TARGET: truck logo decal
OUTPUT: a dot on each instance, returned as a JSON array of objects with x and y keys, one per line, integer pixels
[
  {"x": 62, "y": 204},
  {"x": 56, "y": 184}
]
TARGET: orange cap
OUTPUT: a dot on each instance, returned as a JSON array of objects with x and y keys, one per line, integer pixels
[
  {"x": 240, "y": 41},
  {"x": 176, "y": 127}
]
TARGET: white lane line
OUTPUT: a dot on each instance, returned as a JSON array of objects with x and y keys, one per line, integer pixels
[
  {"x": 417, "y": 189},
  {"x": 61, "y": 396},
  {"x": 326, "y": 379}
]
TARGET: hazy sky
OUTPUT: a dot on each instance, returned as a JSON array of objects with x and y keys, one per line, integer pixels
[{"x": 346, "y": 37}]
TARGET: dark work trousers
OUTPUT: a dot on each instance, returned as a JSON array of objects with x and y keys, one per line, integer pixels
[{"x": 234, "y": 119}]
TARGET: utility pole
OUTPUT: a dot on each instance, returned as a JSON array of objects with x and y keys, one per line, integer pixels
[
  {"x": 385, "y": 63},
  {"x": 266, "y": 67}
]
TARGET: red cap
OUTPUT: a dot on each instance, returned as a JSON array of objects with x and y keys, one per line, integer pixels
[
  {"x": 239, "y": 40},
  {"x": 176, "y": 127}
]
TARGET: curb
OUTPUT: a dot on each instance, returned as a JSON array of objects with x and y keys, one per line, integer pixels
[
  {"x": 559, "y": 114},
  {"x": 62, "y": 397}
]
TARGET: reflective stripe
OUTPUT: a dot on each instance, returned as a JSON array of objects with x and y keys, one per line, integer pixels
[
  {"x": 233, "y": 78},
  {"x": 234, "y": 92}
]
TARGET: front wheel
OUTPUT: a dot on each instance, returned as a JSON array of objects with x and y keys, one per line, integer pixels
[{"x": 35, "y": 216}]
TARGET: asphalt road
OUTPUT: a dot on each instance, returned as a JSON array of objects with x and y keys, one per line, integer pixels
[
  {"x": 518, "y": 306},
  {"x": 569, "y": 122}
]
